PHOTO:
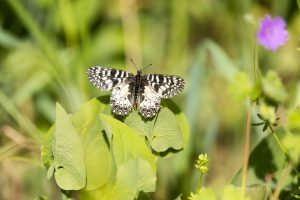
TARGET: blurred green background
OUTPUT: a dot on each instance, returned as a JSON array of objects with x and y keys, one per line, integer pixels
[{"x": 46, "y": 47}]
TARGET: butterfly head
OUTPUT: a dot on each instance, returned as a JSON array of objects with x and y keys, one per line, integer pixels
[{"x": 139, "y": 71}]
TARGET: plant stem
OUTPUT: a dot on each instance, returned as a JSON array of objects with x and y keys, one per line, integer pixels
[
  {"x": 246, "y": 150},
  {"x": 281, "y": 181},
  {"x": 200, "y": 181},
  {"x": 279, "y": 143}
]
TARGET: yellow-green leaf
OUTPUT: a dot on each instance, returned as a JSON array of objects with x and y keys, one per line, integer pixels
[{"x": 68, "y": 153}]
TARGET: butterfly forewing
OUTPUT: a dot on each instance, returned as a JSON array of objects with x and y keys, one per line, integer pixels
[
  {"x": 166, "y": 86},
  {"x": 107, "y": 78}
]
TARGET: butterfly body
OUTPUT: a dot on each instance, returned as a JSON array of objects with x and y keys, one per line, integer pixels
[{"x": 142, "y": 92}]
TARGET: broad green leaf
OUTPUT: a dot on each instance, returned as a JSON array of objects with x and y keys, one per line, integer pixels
[
  {"x": 97, "y": 157},
  {"x": 233, "y": 193},
  {"x": 162, "y": 132},
  {"x": 134, "y": 176},
  {"x": 181, "y": 119},
  {"x": 126, "y": 144},
  {"x": 68, "y": 153},
  {"x": 203, "y": 194}
]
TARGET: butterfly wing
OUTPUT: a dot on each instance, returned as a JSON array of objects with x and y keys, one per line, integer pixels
[
  {"x": 119, "y": 81},
  {"x": 107, "y": 78},
  {"x": 121, "y": 98},
  {"x": 165, "y": 86},
  {"x": 149, "y": 100},
  {"x": 153, "y": 88}
]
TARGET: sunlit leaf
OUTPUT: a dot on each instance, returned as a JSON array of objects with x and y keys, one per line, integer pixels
[
  {"x": 233, "y": 193},
  {"x": 46, "y": 149},
  {"x": 68, "y": 153},
  {"x": 203, "y": 194},
  {"x": 180, "y": 117},
  {"x": 97, "y": 157},
  {"x": 126, "y": 143},
  {"x": 162, "y": 132},
  {"x": 134, "y": 176},
  {"x": 50, "y": 171}
]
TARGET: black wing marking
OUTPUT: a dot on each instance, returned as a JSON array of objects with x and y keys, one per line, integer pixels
[
  {"x": 106, "y": 78},
  {"x": 165, "y": 86}
]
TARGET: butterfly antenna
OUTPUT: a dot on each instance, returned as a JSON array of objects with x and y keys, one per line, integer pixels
[
  {"x": 134, "y": 64},
  {"x": 147, "y": 67}
]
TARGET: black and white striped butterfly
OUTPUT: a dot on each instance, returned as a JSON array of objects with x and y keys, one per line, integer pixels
[{"x": 143, "y": 92}]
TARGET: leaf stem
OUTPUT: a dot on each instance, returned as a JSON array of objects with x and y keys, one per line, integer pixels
[
  {"x": 246, "y": 150},
  {"x": 279, "y": 143}
]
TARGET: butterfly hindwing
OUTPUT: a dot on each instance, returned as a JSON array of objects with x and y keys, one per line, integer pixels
[
  {"x": 107, "y": 78},
  {"x": 121, "y": 98},
  {"x": 165, "y": 86},
  {"x": 149, "y": 100}
]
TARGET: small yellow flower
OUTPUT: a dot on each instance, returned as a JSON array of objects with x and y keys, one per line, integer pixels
[{"x": 201, "y": 163}]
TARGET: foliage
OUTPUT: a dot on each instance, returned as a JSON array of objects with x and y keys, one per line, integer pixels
[{"x": 105, "y": 152}]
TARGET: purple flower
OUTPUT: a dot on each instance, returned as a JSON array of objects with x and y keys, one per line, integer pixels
[{"x": 272, "y": 33}]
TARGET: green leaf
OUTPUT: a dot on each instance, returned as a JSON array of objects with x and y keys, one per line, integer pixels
[
  {"x": 68, "y": 153},
  {"x": 98, "y": 163},
  {"x": 233, "y": 193},
  {"x": 50, "y": 171},
  {"x": 143, "y": 196},
  {"x": 265, "y": 159},
  {"x": 242, "y": 87},
  {"x": 273, "y": 87},
  {"x": 181, "y": 119},
  {"x": 162, "y": 132},
  {"x": 203, "y": 194},
  {"x": 291, "y": 143},
  {"x": 134, "y": 176},
  {"x": 293, "y": 122},
  {"x": 46, "y": 149},
  {"x": 126, "y": 144},
  {"x": 41, "y": 198}
]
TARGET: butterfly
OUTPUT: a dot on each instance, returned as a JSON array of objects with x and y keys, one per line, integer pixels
[{"x": 143, "y": 92}]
